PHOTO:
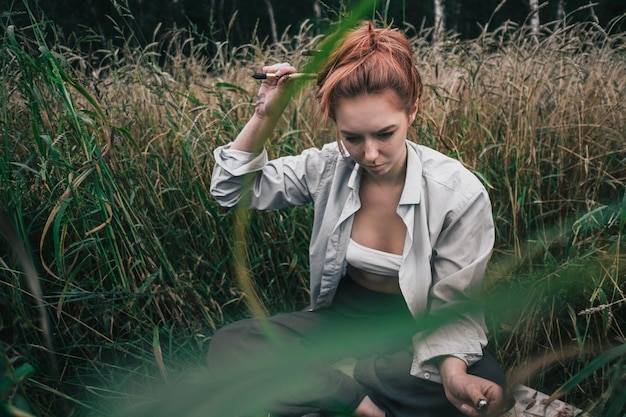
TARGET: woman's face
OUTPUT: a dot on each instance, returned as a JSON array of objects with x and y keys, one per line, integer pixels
[{"x": 373, "y": 129}]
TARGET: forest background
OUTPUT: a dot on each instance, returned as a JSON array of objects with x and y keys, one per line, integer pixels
[
  {"x": 240, "y": 21},
  {"x": 116, "y": 266}
]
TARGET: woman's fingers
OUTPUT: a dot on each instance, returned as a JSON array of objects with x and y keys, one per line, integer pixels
[{"x": 279, "y": 69}]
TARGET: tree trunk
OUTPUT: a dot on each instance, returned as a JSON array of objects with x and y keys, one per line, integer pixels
[
  {"x": 317, "y": 9},
  {"x": 440, "y": 23},
  {"x": 560, "y": 11},
  {"x": 270, "y": 12},
  {"x": 454, "y": 11},
  {"x": 534, "y": 17}
]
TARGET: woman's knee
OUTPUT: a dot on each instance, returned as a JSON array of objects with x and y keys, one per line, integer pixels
[
  {"x": 230, "y": 340},
  {"x": 489, "y": 368}
]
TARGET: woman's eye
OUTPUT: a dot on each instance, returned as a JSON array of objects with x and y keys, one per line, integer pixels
[
  {"x": 353, "y": 139},
  {"x": 385, "y": 135}
]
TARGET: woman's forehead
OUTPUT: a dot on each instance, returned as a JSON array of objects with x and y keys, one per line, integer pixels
[{"x": 375, "y": 112}]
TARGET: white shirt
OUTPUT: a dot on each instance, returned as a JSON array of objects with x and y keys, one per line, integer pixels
[{"x": 449, "y": 239}]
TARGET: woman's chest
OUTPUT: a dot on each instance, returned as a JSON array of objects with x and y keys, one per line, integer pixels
[{"x": 377, "y": 224}]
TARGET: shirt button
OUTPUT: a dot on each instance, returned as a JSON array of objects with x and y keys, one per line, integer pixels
[{"x": 426, "y": 375}]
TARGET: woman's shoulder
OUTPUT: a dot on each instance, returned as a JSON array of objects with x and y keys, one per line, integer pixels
[
  {"x": 324, "y": 163},
  {"x": 330, "y": 149},
  {"x": 329, "y": 153},
  {"x": 446, "y": 171}
]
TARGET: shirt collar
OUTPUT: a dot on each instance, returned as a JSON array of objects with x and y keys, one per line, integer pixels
[
  {"x": 411, "y": 194},
  {"x": 354, "y": 176}
]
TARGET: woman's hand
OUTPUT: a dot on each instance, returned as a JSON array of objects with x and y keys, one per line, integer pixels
[
  {"x": 271, "y": 99},
  {"x": 465, "y": 391}
]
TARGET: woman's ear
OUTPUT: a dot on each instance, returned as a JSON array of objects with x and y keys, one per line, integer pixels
[
  {"x": 413, "y": 113},
  {"x": 339, "y": 141}
]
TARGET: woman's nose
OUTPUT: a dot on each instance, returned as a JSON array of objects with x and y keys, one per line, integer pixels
[{"x": 371, "y": 150}]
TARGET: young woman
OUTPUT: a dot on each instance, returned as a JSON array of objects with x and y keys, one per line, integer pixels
[{"x": 400, "y": 234}]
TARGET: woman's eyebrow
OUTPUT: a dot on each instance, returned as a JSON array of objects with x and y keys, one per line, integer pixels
[{"x": 384, "y": 129}]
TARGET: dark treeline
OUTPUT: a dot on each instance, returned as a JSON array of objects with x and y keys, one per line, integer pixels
[{"x": 239, "y": 21}]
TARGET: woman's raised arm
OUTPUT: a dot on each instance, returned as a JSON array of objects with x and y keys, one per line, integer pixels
[{"x": 271, "y": 101}]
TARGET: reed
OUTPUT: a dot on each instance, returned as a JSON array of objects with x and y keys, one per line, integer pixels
[{"x": 105, "y": 167}]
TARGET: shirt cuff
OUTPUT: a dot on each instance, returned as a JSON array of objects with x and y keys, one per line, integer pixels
[
  {"x": 457, "y": 341},
  {"x": 237, "y": 162}
]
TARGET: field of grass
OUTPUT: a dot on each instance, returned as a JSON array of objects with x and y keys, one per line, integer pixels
[{"x": 116, "y": 265}]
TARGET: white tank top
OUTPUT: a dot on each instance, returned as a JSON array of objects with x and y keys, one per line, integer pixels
[{"x": 372, "y": 260}]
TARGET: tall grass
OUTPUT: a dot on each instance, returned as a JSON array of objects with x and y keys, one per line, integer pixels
[{"x": 105, "y": 166}]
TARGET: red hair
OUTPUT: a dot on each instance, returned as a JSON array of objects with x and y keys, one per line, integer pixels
[{"x": 369, "y": 61}]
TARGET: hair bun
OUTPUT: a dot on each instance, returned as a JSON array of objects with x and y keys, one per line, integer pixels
[
  {"x": 369, "y": 60},
  {"x": 374, "y": 36}
]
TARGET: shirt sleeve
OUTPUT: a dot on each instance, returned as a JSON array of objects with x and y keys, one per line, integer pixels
[
  {"x": 460, "y": 257},
  {"x": 263, "y": 184}
]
